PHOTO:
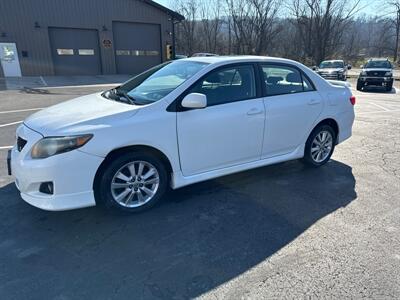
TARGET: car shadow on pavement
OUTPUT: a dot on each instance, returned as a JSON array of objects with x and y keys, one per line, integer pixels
[{"x": 199, "y": 238}]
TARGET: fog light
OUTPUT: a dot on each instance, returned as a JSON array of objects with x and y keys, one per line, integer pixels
[{"x": 47, "y": 188}]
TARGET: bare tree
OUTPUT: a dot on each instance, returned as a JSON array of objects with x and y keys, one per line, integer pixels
[
  {"x": 321, "y": 24},
  {"x": 394, "y": 6},
  {"x": 210, "y": 24},
  {"x": 307, "y": 30},
  {"x": 254, "y": 24},
  {"x": 185, "y": 36}
]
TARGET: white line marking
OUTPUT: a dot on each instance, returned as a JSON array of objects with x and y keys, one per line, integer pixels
[
  {"x": 9, "y": 124},
  {"x": 380, "y": 106},
  {"x": 43, "y": 81},
  {"x": 5, "y": 147},
  {"x": 377, "y": 112},
  {"x": 19, "y": 110}
]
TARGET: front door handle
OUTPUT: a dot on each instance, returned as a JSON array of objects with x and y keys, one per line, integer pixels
[
  {"x": 255, "y": 111},
  {"x": 314, "y": 102}
]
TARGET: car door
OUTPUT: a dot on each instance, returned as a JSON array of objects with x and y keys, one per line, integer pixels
[
  {"x": 292, "y": 106},
  {"x": 229, "y": 131}
]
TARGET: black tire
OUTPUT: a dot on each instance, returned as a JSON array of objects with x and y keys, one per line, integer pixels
[
  {"x": 308, "y": 158},
  {"x": 359, "y": 86},
  {"x": 103, "y": 191},
  {"x": 389, "y": 87}
]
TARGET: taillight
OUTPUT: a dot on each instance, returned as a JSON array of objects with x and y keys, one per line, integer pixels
[{"x": 353, "y": 100}]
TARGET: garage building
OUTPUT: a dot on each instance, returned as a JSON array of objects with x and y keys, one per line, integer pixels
[{"x": 83, "y": 37}]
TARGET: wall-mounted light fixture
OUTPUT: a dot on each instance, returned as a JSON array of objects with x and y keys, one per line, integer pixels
[
  {"x": 37, "y": 25},
  {"x": 104, "y": 28},
  {"x": 168, "y": 32}
]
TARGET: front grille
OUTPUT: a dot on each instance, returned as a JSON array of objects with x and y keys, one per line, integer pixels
[
  {"x": 376, "y": 73},
  {"x": 21, "y": 143},
  {"x": 329, "y": 75}
]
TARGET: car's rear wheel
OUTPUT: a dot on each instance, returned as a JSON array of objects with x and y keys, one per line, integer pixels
[
  {"x": 319, "y": 146},
  {"x": 132, "y": 182}
]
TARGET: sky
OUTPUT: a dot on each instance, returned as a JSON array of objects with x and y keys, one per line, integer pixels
[{"x": 370, "y": 7}]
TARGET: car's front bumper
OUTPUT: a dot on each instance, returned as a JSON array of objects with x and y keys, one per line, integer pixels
[
  {"x": 72, "y": 174},
  {"x": 376, "y": 81}
]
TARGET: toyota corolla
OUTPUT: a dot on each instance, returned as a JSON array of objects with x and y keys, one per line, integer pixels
[{"x": 178, "y": 123}]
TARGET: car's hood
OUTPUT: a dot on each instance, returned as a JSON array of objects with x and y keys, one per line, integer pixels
[
  {"x": 83, "y": 114},
  {"x": 330, "y": 70},
  {"x": 377, "y": 70}
]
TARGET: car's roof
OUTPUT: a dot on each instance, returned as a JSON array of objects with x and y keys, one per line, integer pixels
[{"x": 236, "y": 58}]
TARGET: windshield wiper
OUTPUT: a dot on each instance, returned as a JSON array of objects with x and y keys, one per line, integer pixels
[
  {"x": 122, "y": 95},
  {"x": 119, "y": 95}
]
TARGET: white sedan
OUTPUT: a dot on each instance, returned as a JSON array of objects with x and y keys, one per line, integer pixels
[{"x": 176, "y": 124}]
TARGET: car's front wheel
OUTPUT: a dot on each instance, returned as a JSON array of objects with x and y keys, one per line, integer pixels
[
  {"x": 132, "y": 182},
  {"x": 319, "y": 146}
]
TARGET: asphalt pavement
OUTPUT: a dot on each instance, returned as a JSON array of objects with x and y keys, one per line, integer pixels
[{"x": 282, "y": 231}]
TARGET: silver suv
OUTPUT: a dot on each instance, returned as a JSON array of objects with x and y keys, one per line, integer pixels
[{"x": 333, "y": 69}]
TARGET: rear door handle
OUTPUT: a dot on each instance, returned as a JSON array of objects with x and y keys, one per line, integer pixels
[
  {"x": 314, "y": 102},
  {"x": 255, "y": 111}
]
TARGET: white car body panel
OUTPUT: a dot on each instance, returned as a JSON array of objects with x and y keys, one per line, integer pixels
[
  {"x": 199, "y": 144},
  {"x": 284, "y": 130},
  {"x": 236, "y": 132}
]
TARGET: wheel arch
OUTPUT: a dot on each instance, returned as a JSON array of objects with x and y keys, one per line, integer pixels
[
  {"x": 134, "y": 148},
  {"x": 330, "y": 122}
]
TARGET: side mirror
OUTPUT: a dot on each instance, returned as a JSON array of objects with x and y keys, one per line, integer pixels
[
  {"x": 348, "y": 67},
  {"x": 314, "y": 68},
  {"x": 194, "y": 100}
]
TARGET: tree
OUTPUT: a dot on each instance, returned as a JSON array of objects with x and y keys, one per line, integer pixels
[
  {"x": 185, "y": 35},
  {"x": 254, "y": 25},
  {"x": 210, "y": 25},
  {"x": 394, "y": 6},
  {"x": 321, "y": 24}
]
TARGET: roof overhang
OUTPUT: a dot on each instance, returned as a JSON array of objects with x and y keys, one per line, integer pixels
[{"x": 174, "y": 15}]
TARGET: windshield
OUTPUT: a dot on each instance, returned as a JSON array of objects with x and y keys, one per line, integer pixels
[
  {"x": 383, "y": 64},
  {"x": 331, "y": 65},
  {"x": 159, "y": 81}
]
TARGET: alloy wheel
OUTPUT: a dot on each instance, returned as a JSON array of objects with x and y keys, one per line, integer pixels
[
  {"x": 135, "y": 184},
  {"x": 321, "y": 146}
]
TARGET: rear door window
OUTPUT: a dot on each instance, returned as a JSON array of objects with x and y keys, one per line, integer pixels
[{"x": 281, "y": 80}]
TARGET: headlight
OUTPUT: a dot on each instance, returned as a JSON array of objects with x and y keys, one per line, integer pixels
[
  {"x": 389, "y": 74},
  {"x": 363, "y": 73},
  {"x": 55, "y": 145}
]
